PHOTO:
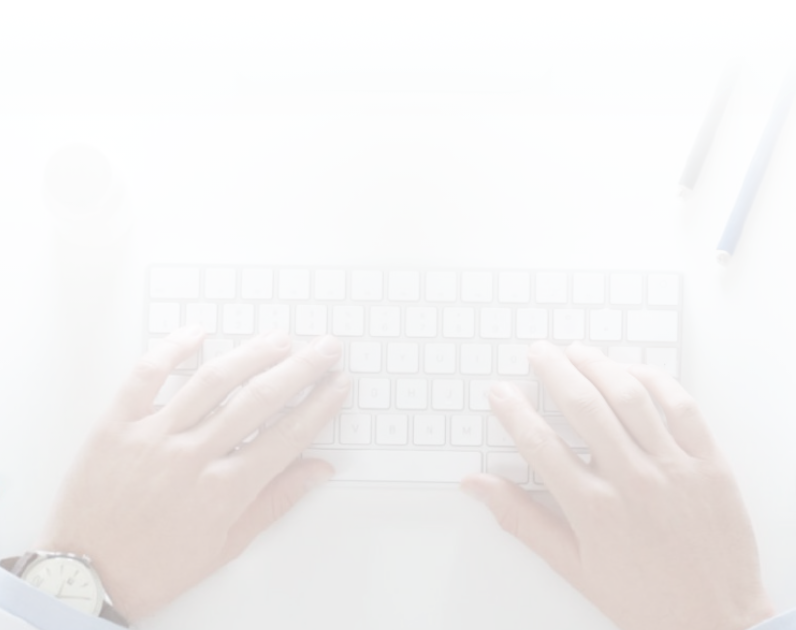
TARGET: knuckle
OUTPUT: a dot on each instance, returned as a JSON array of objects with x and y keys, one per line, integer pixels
[
  {"x": 266, "y": 390},
  {"x": 632, "y": 396},
  {"x": 149, "y": 369},
  {"x": 536, "y": 441},
  {"x": 684, "y": 407},
  {"x": 295, "y": 433},
  {"x": 212, "y": 375},
  {"x": 584, "y": 402}
]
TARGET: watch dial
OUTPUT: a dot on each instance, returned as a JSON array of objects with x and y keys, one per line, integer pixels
[{"x": 69, "y": 580}]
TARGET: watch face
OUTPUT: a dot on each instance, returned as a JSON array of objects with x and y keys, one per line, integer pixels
[{"x": 69, "y": 580}]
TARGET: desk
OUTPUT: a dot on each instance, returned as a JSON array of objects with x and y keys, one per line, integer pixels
[{"x": 571, "y": 169}]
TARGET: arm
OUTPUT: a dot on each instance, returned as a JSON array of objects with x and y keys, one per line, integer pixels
[
  {"x": 653, "y": 531},
  {"x": 159, "y": 501}
]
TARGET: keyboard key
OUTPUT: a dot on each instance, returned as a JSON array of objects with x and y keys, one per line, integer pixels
[
  {"x": 238, "y": 319},
  {"x": 476, "y": 286},
  {"x": 495, "y": 323},
  {"x": 374, "y": 393},
  {"x": 174, "y": 283},
  {"x": 496, "y": 434},
  {"x": 440, "y": 358},
  {"x": 220, "y": 284},
  {"x": 392, "y": 429},
  {"x": 476, "y": 358},
  {"x": 367, "y": 286},
  {"x": 330, "y": 284},
  {"x": 510, "y": 466},
  {"x": 385, "y": 321},
  {"x": 588, "y": 288},
  {"x": 513, "y": 360},
  {"x": 514, "y": 287},
  {"x": 400, "y": 465},
  {"x": 411, "y": 393},
  {"x": 365, "y": 357},
  {"x": 626, "y": 288},
  {"x": 403, "y": 286},
  {"x": 274, "y": 317},
  {"x": 191, "y": 363},
  {"x": 551, "y": 287},
  {"x": 429, "y": 429},
  {"x": 625, "y": 354},
  {"x": 441, "y": 286},
  {"x": 348, "y": 321},
  {"x": 665, "y": 358},
  {"x": 569, "y": 324},
  {"x": 654, "y": 326},
  {"x": 205, "y": 315},
  {"x": 311, "y": 320},
  {"x": 403, "y": 358},
  {"x": 532, "y": 323},
  {"x": 458, "y": 322},
  {"x": 164, "y": 317},
  {"x": 421, "y": 321},
  {"x": 605, "y": 325},
  {"x": 294, "y": 284},
  {"x": 479, "y": 395},
  {"x": 257, "y": 284},
  {"x": 447, "y": 394},
  {"x": 212, "y": 348},
  {"x": 467, "y": 430},
  {"x": 663, "y": 289},
  {"x": 355, "y": 428}
]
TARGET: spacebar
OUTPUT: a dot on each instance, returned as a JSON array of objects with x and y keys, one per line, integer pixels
[{"x": 406, "y": 466}]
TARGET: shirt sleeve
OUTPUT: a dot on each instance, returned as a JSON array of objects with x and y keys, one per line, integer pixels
[
  {"x": 23, "y": 607},
  {"x": 785, "y": 621}
]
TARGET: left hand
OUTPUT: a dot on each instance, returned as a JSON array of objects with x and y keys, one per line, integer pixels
[{"x": 158, "y": 501}]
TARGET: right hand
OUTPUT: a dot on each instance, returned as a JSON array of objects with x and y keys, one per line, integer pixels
[{"x": 653, "y": 531}]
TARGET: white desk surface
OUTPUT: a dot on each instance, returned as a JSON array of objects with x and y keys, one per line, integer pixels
[{"x": 501, "y": 154}]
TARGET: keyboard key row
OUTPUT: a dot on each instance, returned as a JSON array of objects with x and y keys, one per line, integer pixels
[
  {"x": 511, "y": 287},
  {"x": 427, "y": 429},
  {"x": 641, "y": 325}
]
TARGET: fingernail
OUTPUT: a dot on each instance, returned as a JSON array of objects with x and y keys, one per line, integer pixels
[
  {"x": 502, "y": 391},
  {"x": 473, "y": 489},
  {"x": 328, "y": 346},
  {"x": 341, "y": 382},
  {"x": 195, "y": 330},
  {"x": 318, "y": 478},
  {"x": 278, "y": 338}
]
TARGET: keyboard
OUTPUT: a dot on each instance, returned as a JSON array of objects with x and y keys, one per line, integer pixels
[{"x": 423, "y": 347}]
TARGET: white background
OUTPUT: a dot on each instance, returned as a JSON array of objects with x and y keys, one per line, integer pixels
[{"x": 456, "y": 133}]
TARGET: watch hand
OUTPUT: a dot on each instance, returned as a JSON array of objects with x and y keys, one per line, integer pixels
[{"x": 72, "y": 597}]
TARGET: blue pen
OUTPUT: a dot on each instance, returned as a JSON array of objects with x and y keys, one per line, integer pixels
[{"x": 757, "y": 169}]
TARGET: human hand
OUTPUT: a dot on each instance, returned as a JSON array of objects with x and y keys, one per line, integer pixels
[
  {"x": 160, "y": 500},
  {"x": 653, "y": 531}
]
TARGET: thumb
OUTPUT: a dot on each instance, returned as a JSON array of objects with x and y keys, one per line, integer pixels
[{"x": 544, "y": 532}]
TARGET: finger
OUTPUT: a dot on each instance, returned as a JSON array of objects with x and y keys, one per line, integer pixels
[
  {"x": 584, "y": 407},
  {"x": 268, "y": 393},
  {"x": 685, "y": 421},
  {"x": 136, "y": 396},
  {"x": 564, "y": 473},
  {"x": 277, "y": 446},
  {"x": 213, "y": 382},
  {"x": 516, "y": 512},
  {"x": 629, "y": 399},
  {"x": 275, "y": 500}
]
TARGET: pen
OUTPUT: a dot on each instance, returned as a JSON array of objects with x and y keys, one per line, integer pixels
[
  {"x": 757, "y": 168},
  {"x": 707, "y": 131}
]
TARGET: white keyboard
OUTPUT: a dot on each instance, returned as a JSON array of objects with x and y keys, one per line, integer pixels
[{"x": 423, "y": 347}]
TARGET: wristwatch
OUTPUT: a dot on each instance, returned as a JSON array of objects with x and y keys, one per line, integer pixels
[{"x": 69, "y": 578}]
